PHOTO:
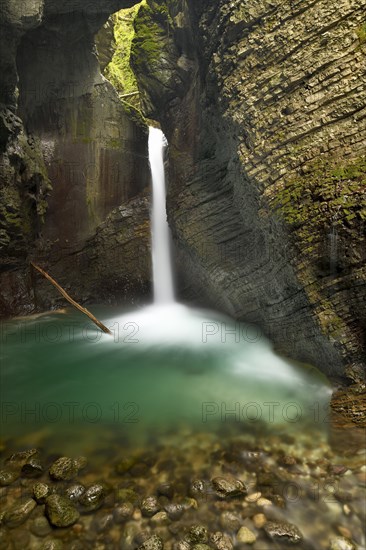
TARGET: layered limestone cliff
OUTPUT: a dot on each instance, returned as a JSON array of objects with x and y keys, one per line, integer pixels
[
  {"x": 263, "y": 105},
  {"x": 71, "y": 153}
]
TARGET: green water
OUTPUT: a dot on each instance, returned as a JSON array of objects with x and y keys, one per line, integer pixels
[
  {"x": 164, "y": 368},
  {"x": 186, "y": 387}
]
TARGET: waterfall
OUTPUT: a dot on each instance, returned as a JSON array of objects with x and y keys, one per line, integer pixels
[
  {"x": 333, "y": 252},
  {"x": 161, "y": 259}
]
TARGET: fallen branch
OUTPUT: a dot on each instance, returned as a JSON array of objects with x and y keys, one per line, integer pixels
[
  {"x": 129, "y": 94},
  {"x": 72, "y": 302}
]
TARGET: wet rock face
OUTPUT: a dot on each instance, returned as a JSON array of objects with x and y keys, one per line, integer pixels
[
  {"x": 115, "y": 260},
  {"x": 263, "y": 148},
  {"x": 70, "y": 150}
]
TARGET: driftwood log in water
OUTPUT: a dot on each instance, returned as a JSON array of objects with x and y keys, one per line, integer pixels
[{"x": 71, "y": 301}]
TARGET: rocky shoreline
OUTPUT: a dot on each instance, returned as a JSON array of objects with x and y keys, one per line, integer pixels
[{"x": 187, "y": 492}]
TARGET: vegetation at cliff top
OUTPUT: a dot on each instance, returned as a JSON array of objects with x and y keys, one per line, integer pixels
[
  {"x": 118, "y": 71},
  {"x": 151, "y": 35}
]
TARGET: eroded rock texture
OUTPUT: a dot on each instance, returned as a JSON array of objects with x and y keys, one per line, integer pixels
[
  {"x": 114, "y": 261},
  {"x": 263, "y": 105},
  {"x": 71, "y": 153}
]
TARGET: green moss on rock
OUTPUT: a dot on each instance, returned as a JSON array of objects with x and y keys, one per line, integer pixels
[
  {"x": 150, "y": 35},
  {"x": 118, "y": 71},
  {"x": 328, "y": 199},
  {"x": 329, "y": 194},
  {"x": 361, "y": 33},
  {"x": 135, "y": 114}
]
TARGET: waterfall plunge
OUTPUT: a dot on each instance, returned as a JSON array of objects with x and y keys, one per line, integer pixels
[
  {"x": 233, "y": 364},
  {"x": 162, "y": 265}
]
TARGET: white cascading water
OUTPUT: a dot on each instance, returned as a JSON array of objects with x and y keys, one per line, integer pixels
[{"x": 161, "y": 259}]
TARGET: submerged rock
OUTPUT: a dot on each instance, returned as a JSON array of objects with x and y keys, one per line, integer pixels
[
  {"x": 166, "y": 490},
  {"x": 282, "y": 531},
  {"x": 160, "y": 518},
  {"x": 230, "y": 521},
  {"x": 246, "y": 536},
  {"x": 175, "y": 511},
  {"x": 221, "y": 541},
  {"x": 127, "y": 495},
  {"x": 127, "y": 541},
  {"x": 259, "y": 520},
  {"x": 7, "y": 477},
  {"x": 228, "y": 487},
  {"x": 93, "y": 497},
  {"x": 152, "y": 543},
  {"x": 197, "y": 534},
  {"x": 287, "y": 460},
  {"x": 341, "y": 543},
  {"x": 123, "y": 512},
  {"x": 198, "y": 489},
  {"x": 40, "y": 527},
  {"x": 33, "y": 467},
  {"x": 60, "y": 511},
  {"x": 149, "y": 506},
  {"x": 21, "y": 458},
  {"x": 75, "y": 491},
  {"x": 102, "y": 522},
  {"x": 41, "y": 492},
  {"x": 27, "y": 463},
  {"x": 64, "y": 468},
  {"x": 19, "y": 513}
]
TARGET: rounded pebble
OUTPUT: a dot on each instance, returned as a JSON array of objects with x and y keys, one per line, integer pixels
[
  {"x": 40, "y": 527},
  {"x": 60, "y": 511},
  {"x": 64, "y": 468},
  {"x": 246, "y": 536},
  {"x": 123, "y": 512},
  {"x": 149, "y": 506},
  {"x": 19, "y": 513},
  {"x": 41, "y": 492}
]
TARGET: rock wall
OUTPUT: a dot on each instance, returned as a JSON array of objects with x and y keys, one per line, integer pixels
[
  {"x": 263, "y": 105},
  {"x": 71, "y": 152}
]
